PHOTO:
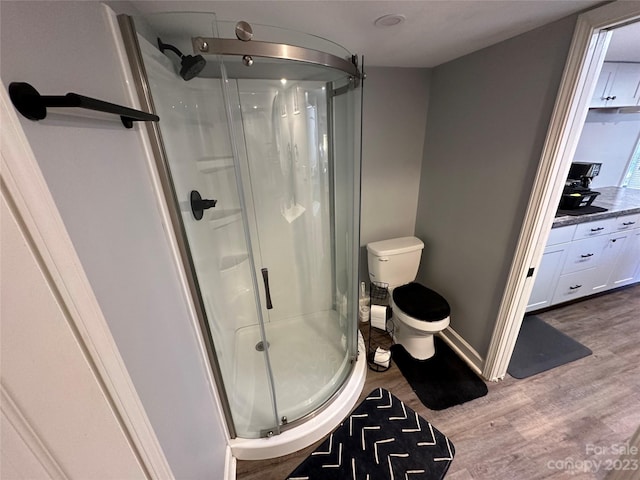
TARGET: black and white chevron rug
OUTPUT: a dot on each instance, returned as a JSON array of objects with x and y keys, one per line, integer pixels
[{"x": 382, "y": 439}]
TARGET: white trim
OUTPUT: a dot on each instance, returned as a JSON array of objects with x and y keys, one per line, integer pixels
[
  {"x": 584, "y": 62},
  {"x": 181, "y": 270},
  {"x": 14, "y": 416},
  {"x": 229, "y": 465},
  {"x": 463, "y": 349},
  {"x": 25, "y": 186}
]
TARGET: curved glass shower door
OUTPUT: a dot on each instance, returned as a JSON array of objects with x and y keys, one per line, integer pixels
[
  {"x": 291, "y": 190},
  {"x": 275, "y": 258}
]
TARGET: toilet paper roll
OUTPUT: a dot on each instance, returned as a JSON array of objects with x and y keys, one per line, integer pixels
[
  {"x": 379, "y": 316},
  {"x": 364, "y": 313},
  {"x": 382, "y": 357}
]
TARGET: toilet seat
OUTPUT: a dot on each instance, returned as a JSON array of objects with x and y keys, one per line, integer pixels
[
  {"x": 420, "y": 307},
  {"x": 421, "y": 302}
]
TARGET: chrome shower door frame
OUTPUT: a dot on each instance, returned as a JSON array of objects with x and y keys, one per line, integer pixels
[
  {"x": 259, "y": 49},
  {"x": 156, "y": 142}
]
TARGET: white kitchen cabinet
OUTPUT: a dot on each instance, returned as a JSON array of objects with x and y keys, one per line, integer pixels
[
  {"x": 574, "y": 285},
  {"x": 550, "y": 267},
  {"x": 603, "y": 86},
  {"x": 561, "y": 235},
  {"x": 595, "y": 229},
  {"x": 627, "y": 222},
  {"x": 610, "y": 266},
  {"x": 584, "y": 254},
  {"x": 627, "y": 266},
  {"x": 587, "y": 258},
  {"x": 626, "y": 85},
  {"x": 549, "y": 271},
  {"x": 618, "y": 85}
]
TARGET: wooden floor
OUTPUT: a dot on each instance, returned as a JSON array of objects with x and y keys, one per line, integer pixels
[{"x": 556, "y": 424}]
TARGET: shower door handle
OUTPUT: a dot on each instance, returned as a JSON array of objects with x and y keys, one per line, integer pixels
[{"x": 267, "y": 293}]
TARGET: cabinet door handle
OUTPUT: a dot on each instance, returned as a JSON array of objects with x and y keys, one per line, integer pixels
[
  {"x": 626, "y": 224},
  {"x": 575, "y": 287},
  {"x": 587, "y": 255},
  {"x": 597, "y": 229}
]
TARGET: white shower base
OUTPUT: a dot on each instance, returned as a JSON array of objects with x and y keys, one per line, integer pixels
[{"x": 305, "y": 353}]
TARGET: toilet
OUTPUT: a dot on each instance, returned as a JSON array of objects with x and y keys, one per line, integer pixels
[{"x": 417, "y": 311}]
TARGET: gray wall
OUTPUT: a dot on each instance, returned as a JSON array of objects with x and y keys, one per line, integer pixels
[
  {"x": 97, "y": 173},
  {"x": 394, "y": 121},
  {"x": 488, "y": 117}
]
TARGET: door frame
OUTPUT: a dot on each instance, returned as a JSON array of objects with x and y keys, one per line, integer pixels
[{"x": 584, "y": 62}]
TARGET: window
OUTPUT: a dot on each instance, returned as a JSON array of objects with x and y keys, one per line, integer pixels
[{"x": 632, "y": 178}]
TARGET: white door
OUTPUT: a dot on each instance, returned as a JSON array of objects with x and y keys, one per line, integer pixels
[
  {"x": 68, "y": 409},
  {"x": 50, "y": 396}
]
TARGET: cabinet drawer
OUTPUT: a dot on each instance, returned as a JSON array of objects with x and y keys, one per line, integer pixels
[
  {"x": 592, "y": 229},
  {"x": 574, "y": 285},
  {"x": 561, "y": 235},
  {"x": 584, "y": 254},
  {"x": 627, "y": 222}
]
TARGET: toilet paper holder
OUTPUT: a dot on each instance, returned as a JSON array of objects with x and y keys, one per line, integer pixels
[{"x": 379, "y": 293}]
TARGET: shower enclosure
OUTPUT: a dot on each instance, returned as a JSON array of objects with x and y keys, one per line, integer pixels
[{"x": 259, "y": 156}]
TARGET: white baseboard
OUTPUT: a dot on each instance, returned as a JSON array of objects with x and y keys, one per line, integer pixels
[{"x": 463, "y": 349}]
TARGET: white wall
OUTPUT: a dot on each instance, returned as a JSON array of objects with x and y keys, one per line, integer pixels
[
  {"x": 99, "y": 179},
  {"x": 611, "y": 144},
  {"x": 394, "y": 123},
  {"x": 488, "y": 117}
]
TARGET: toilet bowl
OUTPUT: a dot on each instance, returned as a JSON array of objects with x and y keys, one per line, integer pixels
[{"x": 418, "y": 313}]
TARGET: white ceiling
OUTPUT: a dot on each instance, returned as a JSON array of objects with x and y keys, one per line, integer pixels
[
  {"x": 434, "y": 31},
  {"x": 625, "y": 44}
]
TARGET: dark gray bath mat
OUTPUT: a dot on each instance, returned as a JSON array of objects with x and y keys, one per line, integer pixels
[
  {"x": 540, "y": 347},
  {"x": 441, "y": 381},
  {"x": 382, "y": 439}
]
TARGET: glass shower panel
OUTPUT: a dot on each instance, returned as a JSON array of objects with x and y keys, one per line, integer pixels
[
  {"x": 275, "y": 261},
  {"x": 345, "y": 110},
  {"x": 283, "y": 127},
  {"x": 199, "y": 152}
]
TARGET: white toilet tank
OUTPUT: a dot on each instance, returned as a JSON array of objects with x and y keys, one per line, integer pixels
[{"x": 394, "y": 261}]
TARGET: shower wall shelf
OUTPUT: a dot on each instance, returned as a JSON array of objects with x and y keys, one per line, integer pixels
[
  {"x": 220, "y": 218},
  {"x": 231, "y": 262},
  {"x": 214, "y": 164},
  {"x": 33, "y": 106}
]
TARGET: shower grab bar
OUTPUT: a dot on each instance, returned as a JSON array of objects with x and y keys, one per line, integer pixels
[
  {"x": 33, "y": 106},
  {"x": 267, "y": 292}
]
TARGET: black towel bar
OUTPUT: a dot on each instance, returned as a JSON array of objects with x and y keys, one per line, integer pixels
[{"x": 32, "y": 105}]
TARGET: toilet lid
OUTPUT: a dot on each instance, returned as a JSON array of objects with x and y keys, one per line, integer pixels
[{"x": 421, "y": 303}]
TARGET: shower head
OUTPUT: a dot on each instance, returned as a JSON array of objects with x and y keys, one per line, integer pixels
[{"x": 190, "y": 66}]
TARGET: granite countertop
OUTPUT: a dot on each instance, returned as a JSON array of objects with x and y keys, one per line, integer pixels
[{"x": 618, "y": 201}]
